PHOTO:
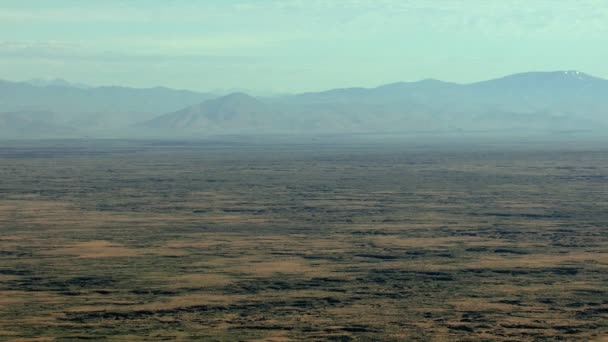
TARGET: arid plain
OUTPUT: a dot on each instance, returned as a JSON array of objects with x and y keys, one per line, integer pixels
[{"x": 127, "y": 241}]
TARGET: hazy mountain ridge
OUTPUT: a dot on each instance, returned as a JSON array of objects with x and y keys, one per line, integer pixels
[
  {"x": 32, "y": 124},
  {"x": 545, "y": 101},
  {"x": 60, "y": 82},
  {"x": 234, "y": 111},
  {"x": 95, "y": 108},
  {"x": 534, "y": 101}
]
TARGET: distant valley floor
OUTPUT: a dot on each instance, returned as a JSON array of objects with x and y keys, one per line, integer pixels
[{"x": 326, "y": 240}]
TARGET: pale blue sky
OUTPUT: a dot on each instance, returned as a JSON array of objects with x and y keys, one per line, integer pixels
[{"x": 297, "y": 45}]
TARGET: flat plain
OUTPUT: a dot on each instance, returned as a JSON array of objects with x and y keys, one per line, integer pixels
[{"x": 215, "y": 241}]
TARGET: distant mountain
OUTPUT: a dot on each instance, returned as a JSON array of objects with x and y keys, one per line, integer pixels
[
  {"x": 537, "y": 101},
  {"x": 33, "y": 125},
  {"x": 59, "y": 82},
  {"x": 233, "y": 112},
  {"x": 106, "y": 107},
  {"x": 528, "y": 102},
  {"x": 390, "y": 92},
  {"x": 564, "y": 80}
]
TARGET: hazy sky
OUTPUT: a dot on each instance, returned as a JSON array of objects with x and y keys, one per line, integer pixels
[{"x": 297, "y": 45}]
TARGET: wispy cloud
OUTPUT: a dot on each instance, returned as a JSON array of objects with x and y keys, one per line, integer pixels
[
  {"x": 69, "y": 51},
  {"x": 507, "y": 16}
]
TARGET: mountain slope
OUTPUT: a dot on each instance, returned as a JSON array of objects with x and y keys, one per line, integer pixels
[
  {"x": 534, "y": 102},
  {"x": 233, "y": 112},
  {"x": 40, "y": 82},
  {"x": 72, "y": 103},
  {"x": 541, "y": 101},
  {"x": 32, "y": 125}
]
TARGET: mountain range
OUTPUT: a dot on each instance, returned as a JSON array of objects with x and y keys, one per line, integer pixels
[{"x": 527, "y": 102}]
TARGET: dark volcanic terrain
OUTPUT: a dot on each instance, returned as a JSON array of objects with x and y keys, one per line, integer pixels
[{"x": 127, "y": 241}]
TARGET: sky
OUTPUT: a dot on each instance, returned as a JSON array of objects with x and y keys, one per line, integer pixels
[{"x": 297, "y": 45}]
